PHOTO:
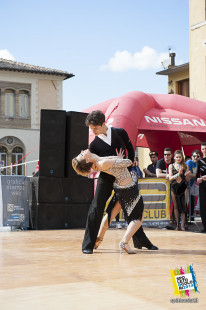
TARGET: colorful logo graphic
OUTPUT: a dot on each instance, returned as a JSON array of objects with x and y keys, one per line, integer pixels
[{"x": 184, "y": 281}]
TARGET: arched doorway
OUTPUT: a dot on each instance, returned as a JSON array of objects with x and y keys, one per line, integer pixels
[{"x": 12, "y": 151}]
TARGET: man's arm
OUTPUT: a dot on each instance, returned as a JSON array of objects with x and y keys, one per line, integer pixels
[
  {"x": 148, "y": 173},
  {"x": 189, "y": 164},
  {"x": 160, "y": 174},
  {"x": 159, "y": 170}
]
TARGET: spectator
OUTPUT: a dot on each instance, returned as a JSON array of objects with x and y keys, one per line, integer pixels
[
  {"x": 162, "y": 167},
  {"x": 135, "y": 172},
  {"x": 118, "y": 224},
  {"x": 150, "y": 171},
  {"x": 192, "y": 186},
  {"x": 187, "y": 158},
  {"x": 201, "y": 179},
  {"x": 198, "y": 154},
  {"x": 179, "y": 175}
]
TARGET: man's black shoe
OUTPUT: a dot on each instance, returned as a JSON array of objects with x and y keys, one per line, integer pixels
[
  {"x": 153, "y": 247},
  {"x": 203, "y": 231},
  {"x": 88, "y": 251}
]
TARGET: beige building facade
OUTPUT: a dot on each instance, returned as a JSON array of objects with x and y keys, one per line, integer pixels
[
  {"x": 197, "y": 46},
  {"x": 24, "y": 91},
  {"x": 188, "y": 79}
]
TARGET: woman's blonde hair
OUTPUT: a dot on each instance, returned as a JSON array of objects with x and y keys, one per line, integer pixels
[
  {"x": 81, "y": 167},
  {"x": 182, "y": 161}
]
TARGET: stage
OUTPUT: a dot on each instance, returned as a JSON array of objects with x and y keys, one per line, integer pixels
[{"x": 46, "y": 270}]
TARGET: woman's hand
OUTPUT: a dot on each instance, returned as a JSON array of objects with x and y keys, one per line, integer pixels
[
  {"x": 188, "y": 172},
  {"x": 199, "y": 180},
  {"x": 120, "y": 153},
  {"x": 181, "y": 170}
]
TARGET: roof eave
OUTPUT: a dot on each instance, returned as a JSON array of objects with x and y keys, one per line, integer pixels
[
  {"x": 67, "y": 76},
  {"x": 174, "y": 69}
]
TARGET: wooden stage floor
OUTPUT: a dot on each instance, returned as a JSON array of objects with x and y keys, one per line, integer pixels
[{"x": 46, "y": 270}]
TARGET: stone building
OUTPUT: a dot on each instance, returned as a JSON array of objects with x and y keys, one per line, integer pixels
[{"x": 24, "y": 91}]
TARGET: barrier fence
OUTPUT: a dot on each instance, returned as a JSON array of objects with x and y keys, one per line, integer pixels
[
  {"x": 156, "y": 197},
  {"x": 14, "y": 201},
  {"x": 10, "y": 167}
]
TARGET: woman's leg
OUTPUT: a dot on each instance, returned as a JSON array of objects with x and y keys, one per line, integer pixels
[
  {"x": 131, "y": 230},
  {"x": 176, "y": 211},
  {"x": 104, "y": 224}
]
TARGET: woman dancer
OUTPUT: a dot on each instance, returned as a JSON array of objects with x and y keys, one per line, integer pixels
[
  {"x": 126, "y": 190},
  {"x": 179, "y": 175}
]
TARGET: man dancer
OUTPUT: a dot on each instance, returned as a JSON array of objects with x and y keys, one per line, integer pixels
[{"x": 108, "y": 140}]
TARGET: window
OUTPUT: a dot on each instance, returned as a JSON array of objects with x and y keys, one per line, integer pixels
[
  {"x": 23, "y": 104},
  {"x": 3, "y": 160},
  {"x": 17, "y": 154},
  {"x": 9, "y": 103},
  {"x": 183, "y": 88}
]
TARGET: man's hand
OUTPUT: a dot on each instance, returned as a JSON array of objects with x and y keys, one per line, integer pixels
[
  {"x": 167, "y": 176},
  {"x": 146, "y": 171}
]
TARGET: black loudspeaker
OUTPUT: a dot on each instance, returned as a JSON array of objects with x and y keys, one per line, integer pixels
[
  {"x": 61, "y": 190},
  {"x": 76, "y": 139},
  {"x": 58, "y": 216},
  {"x": 52, "y": 143}
]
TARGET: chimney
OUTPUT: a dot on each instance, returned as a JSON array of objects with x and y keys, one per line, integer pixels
[{"x": 172, "y": 62}]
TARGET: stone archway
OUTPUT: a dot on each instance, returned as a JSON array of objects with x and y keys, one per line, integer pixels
[{"x": 14, "y": 150}]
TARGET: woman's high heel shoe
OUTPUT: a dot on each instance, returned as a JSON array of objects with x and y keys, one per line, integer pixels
[
  {"x": 97, "y": 243},
  {"x": 124, "y": 246}
]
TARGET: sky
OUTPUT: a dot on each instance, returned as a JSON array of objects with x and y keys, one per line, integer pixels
[{"x": 111, "y": 46}]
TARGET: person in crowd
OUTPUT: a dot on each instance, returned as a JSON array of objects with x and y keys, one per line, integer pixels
[
  {"x": 118, "y": 224},
  {"x": 179, "y": 175},
  {"x": 162, "y": 168},
  {"x": 126, "y": 191},
  {"x": 135, "y": 171},
  {"x": 150, "y": 171},
  {"x": 107, "y": 141},
  {"x": 193, "y": 188},
  {"x": 201, "y": 179},
  {"x": 187, "y": 158}
]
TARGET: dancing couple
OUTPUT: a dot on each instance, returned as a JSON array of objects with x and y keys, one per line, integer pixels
[
  {"x": 126, "y": 191},
  {"x": 108, "y": 142}
]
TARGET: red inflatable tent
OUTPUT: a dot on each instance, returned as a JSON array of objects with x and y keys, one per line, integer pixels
[{"x": 157, "y": 121}]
